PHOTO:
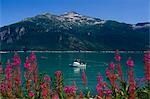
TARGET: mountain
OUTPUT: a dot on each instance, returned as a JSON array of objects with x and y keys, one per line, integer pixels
[{"x": 73, "y": 31}]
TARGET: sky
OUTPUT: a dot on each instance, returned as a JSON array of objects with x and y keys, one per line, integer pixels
[{"x": 129, "y": 11}]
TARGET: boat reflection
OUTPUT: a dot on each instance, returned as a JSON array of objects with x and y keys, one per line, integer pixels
[{"x": 78, "y": 69}]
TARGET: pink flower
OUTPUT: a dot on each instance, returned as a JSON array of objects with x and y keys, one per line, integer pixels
[
  {"x": 27, "y": 64},
  {"x": 2, "y": 87},
  {"x": 31, "y": 93},
  {"x": 107, "y": 92},
  {"x": 111, "y": 76},
  {"x": 132, "y": 84},
  {"x": 32, "y": 56},
  {"x": 58, "y": 73},
  {"x": 117, "y": 56},
  {"x": 47, "y": 78},
  {"x": 59, "y": 81},
  {"x": 99, "y": 77},
  {"x": 147, "y": 56},
  {"x": 8, "y": 71},
  {"x": 45, "y": 93},
  {"x": 44, "y": 85},
  {"x": 31, "y": 71},
  {"x": 130, "y": 62},
  {"x": 112, "y": 66},
  {"x": 55, "y": 96},
  {"x": 16, "y": 60},
  {"x": 147, "y": 65},
  {"x": 132, "y": 90},
  {"x": 81, "y": 95},
  {"x": 130, "y": 74},
  {"x": 119, "y": 70},
  {"x": 107, "y": 71},
  {"x": 99, "y": 87},
  {"x": 143, "y": 79},
  {"x": 70, "y": 90}
]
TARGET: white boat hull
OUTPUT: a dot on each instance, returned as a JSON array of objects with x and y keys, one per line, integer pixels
[{"x": 77, "y": 64}]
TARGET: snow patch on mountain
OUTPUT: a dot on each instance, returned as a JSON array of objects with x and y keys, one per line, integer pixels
[{"x": 141, "y": 25}]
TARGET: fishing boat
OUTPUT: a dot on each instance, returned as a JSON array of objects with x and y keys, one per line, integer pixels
[{"x": 78, "y": 63}]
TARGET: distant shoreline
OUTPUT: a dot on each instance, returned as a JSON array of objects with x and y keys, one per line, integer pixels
[{"x": 73, "y": 51}]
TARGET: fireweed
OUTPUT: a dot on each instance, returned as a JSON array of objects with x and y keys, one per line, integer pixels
[
  {"x": 147, "y": 66},
  {"x": 8, "y": 81},
  {"x": 1, "y": 72},
  {"x": 59, "y": 84},
  {"x": 31, "y": 74},
  {"x": 103, "y": 92},
  {"x": 17, "y": 74},
  {"x": 12, "y": 86},
  {"x": 131, "y": 79},
  {"x": 100, "y": 87},
  {"x": 118, "y": 65},
  {"x": 112, "y": 76},
  {"x": 45, "y": 87},
  {"x": 70, "y": 91},
  {"x": 147, "y": 73}
]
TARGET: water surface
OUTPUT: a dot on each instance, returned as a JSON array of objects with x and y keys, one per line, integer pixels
[{"x": 96, "y": 62}]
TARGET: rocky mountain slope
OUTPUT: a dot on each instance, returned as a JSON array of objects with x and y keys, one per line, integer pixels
[{"x": 73, "y": 31}]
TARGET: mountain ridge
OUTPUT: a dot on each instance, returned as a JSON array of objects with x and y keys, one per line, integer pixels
[{"x": 72, "y": 31}]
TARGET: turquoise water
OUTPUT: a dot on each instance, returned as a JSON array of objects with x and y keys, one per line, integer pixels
[{"x": 96, "y": 62}]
